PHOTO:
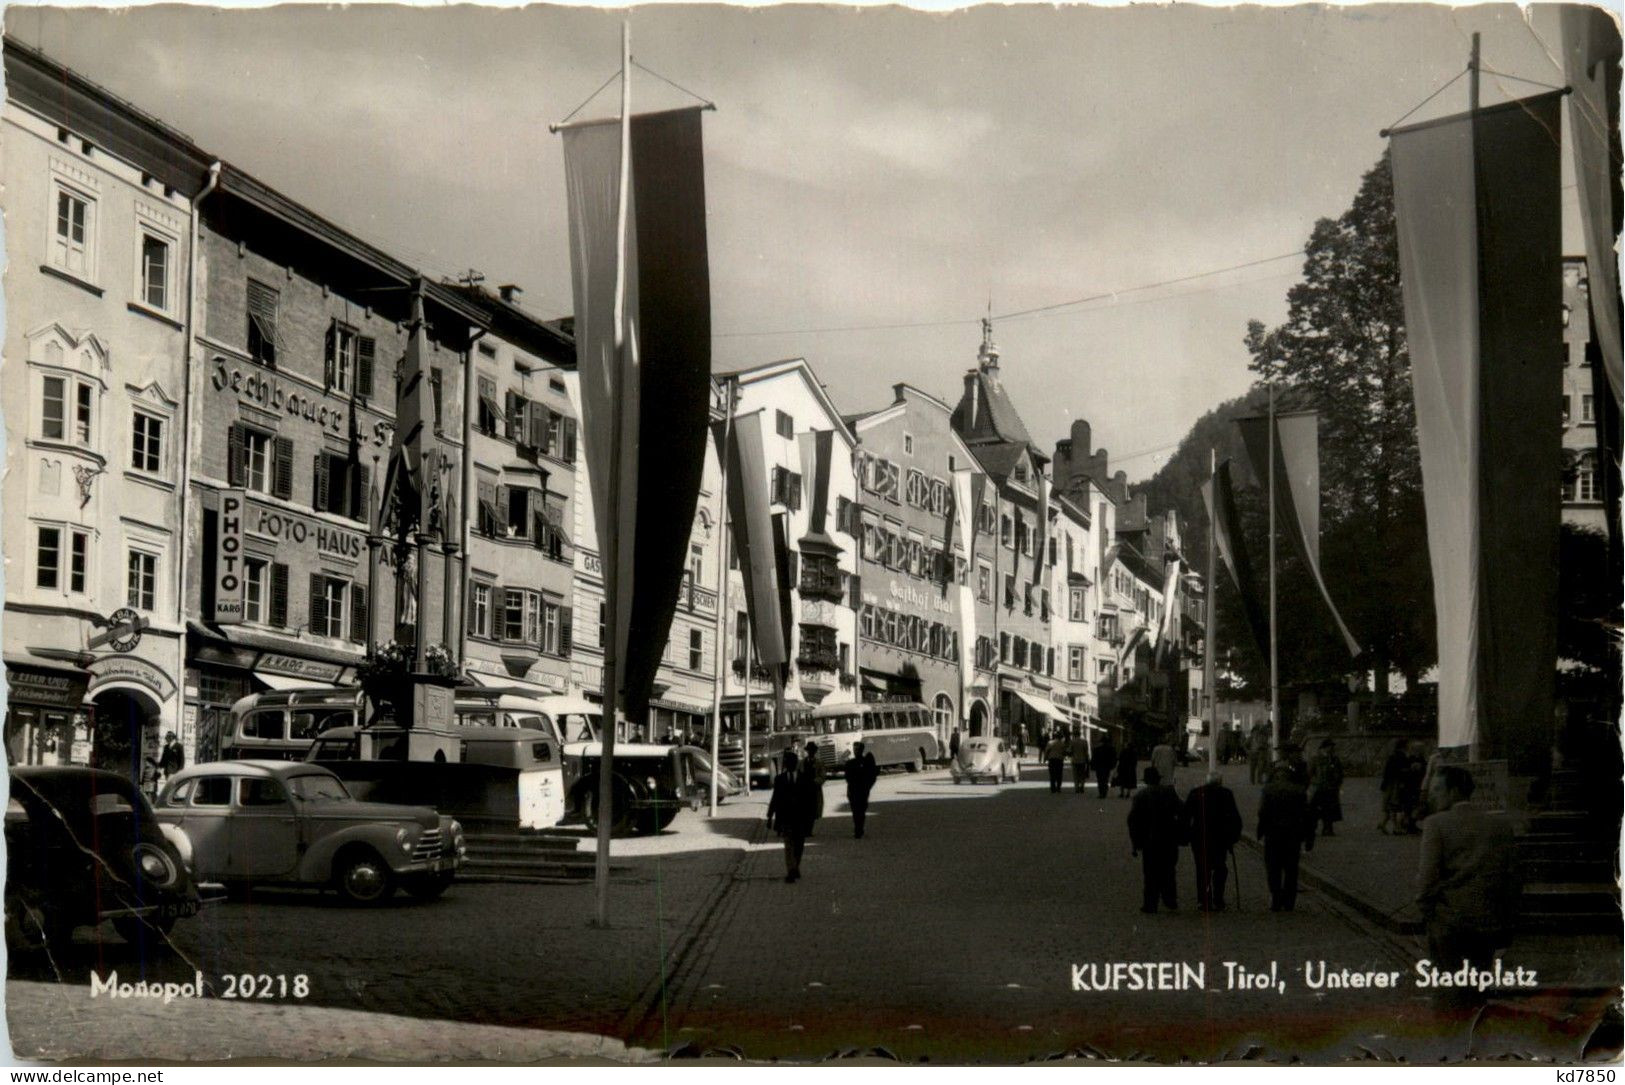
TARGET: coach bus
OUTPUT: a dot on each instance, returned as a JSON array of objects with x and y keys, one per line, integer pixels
[{"x": 896, "y": 734}]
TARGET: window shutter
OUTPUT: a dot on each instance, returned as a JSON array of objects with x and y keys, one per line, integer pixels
[
  {"x": 279, "y": 594},
  {"x": 795, "y": 491},
  {"x": 358, "y": 613},
  {"x": 567, "y": 617},
  {"x": 318, "y": 612},
  {"x": 510, "y": 415},
  {"x": 500, "y": 528},
  {"x": 538, "y": 528},
  {"x": 282, "y": 485},
  {"x": 791, "y": 564},
  {"x": 366, "y": 351},
  {"x": 856, "y": 584},
  {"x": 359, "y": 496},
  {"x": 236, "y": 454},
  {"x": 318, "y": 492},
  {"x": 486, "y": 493},
  {"x": 331, "y": 355},
  {"x": 567, "y": 429},
  {"x": 537, "y": 423}
]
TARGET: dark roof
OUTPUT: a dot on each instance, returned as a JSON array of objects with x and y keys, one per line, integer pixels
[
  {"x": 998, "y": 460},
  {"x": 996, "y": 418},
  {"x": 548, "y": 339}
]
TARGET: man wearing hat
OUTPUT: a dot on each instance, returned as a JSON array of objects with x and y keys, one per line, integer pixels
[{"x": 172, "y": 759}]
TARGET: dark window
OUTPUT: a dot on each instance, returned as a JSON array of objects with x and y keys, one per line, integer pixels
[
  {"x": 255, "y": 791},
  {"x": 212, "y": 791},
  {"x": 783, "y": 424},
  {"x": 262, "y": 310}
]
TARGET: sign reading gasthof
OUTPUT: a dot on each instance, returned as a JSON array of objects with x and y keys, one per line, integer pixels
[{"x": 228, "y": 560}]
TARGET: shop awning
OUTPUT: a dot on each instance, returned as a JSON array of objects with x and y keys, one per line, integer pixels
[
  {"x": 504, "y": 681},
  {"x": 285, "y": 681},
  {"x": 1038, "y": 704}
]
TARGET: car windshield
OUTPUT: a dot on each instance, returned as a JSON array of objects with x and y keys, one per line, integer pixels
[
  {"x": 578, "y": 726},
  {"x": 318, "y": 787},
  {"x": 531, "y": 720}
]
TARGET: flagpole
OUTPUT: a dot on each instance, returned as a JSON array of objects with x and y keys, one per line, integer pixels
[
  {"x": 1210, "y": 639},
  {"x": 610, "y": 547},
  {"x": 746, "y": 682},
  {"x": 1275, "y": 678},
  {"x": 1474, "y": 414},
  {"x": 722, "y": 610}
]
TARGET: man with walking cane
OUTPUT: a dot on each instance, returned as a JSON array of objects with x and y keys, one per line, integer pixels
[{"x": 1212, "y": 824}]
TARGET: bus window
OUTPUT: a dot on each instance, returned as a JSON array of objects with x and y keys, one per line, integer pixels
[
  {"x": 264, "y": 724},
  {"x": 534, "y": 721},
  {"x": 311, "y": 722},
  {"x": 476, "y": 719}
]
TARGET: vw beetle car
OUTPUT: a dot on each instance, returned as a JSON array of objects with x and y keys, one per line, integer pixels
[
  {"x": 987, "y": 759},
  {"x": 82, "y": 845},
  {"x": 295, "y": 824}
]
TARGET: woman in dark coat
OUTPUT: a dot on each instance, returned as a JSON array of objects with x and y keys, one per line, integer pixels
[
  {"x": 1326, "y": 787},
  {"x": 1393, "y": 786},
  {"x": 1128, "y": 768}
]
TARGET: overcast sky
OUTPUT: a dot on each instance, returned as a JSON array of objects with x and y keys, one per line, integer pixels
[{"x": 863, "y": 167}]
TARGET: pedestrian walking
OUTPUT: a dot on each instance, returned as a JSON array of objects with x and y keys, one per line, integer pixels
[
  {"x": 1212, "y": 825},
  {"x": 953, "y": 745},
  {"x": 1286, "y": 828},
  {"x": 1392, "y": 784},
  {"x": 1079, "y": 751},
  {"x": 1021, "y": 744},
  {"x": 861, "y": 773},
  {"x": 1153, "y": 830},
  {"x": 1467, "y": 885},
  {"x": 1326, "y": 786},
  {"x": 1258, "y": 754},
  {"x": 790, "y": 813},
  {"x": 1128, "y": 767},
  {"x": 1103, "y": 760},
  {"x": 1412, "y": 797},
  {"x": 1163, "y": 760},
  {"x": 814, "y": 773},
  {"x": 1055, "y": 754},
  {"x": 1292, "y": 758}
]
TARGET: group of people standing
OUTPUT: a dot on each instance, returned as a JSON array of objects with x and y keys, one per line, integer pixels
[
  {"x": 1296, "y": 797},
  {"x": 798, "y": 799}
]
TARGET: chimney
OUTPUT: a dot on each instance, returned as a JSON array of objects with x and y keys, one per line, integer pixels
[{"x": 510, "y": 293}]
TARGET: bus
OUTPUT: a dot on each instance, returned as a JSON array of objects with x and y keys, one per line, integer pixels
[{"x": 895, "y": 733}]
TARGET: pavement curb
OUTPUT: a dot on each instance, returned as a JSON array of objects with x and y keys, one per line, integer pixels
[{"x": 1393, "y": 922}]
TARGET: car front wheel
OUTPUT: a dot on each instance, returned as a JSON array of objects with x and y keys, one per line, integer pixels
[{"x": 364, "y": 878}]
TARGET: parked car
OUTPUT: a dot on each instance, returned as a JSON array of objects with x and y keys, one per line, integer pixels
[
  {"x": 989, "y": 759},
  {"x": 295, "y": 824},
  {"x": 699, "y": 771},
  {"x": 83, "y": 845}
]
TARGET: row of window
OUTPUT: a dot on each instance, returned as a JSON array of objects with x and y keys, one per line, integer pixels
[
  {"x": 525, "y": 421},
  {"x": 909, "y": 632},
  {"x": 1588, "y": 408},
  {"x": 520, "y": 616},
  {"x": 523, "y": 513},
  {"x": 910, "y": 554},
  {"x": 74, "y": 246},
  {"x": 68, "y": 410}
]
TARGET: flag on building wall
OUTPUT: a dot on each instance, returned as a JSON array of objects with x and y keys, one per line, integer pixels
[
  {"x": 750, "y": 511},
  {"x": 1591, "y": 55},
  {"x": 1477, "y": 207},
  {"x": 817, "y": 449},
  {"x": 665, "y": 364},
  {"x": 1297, "y": 490},
  {"x": 1232, "y": 544},
  {"x": 966, "y": 504},
  {"x": 1042, "y": 528}
]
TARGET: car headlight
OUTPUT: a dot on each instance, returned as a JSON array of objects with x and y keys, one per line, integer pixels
[
  {"x": 404, "y": 839},
  {"x": 458, "y": 845},
  {"x": 155, "y": 866},
  {"x": 654, "y": 785}
]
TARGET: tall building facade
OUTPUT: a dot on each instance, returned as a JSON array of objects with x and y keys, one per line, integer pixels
[
  {"x": 519, "y": 491},
  {"x": 1019, "y": 562},
  {"x": 98, "y": 236},
  {"x": 911, "y": 627},
  {"x": 815, "y": 492},
  {"x": 1582, "y": 489}
]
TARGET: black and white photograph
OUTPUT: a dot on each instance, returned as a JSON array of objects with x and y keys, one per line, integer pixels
[{"x": 813, "y": 535}]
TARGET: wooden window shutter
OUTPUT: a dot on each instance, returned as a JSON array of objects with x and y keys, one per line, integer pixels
[
  {"x": 279, "y": 594},
  {"x": 366, "y": 355},
  {"x": 359, "y": 497},
  {"x": 500, "y": 528},
  {"x": 856, "y": 584},
  {"x": 330, "y": 366},
  {"x": 567, "y": 616},
  {"x": 567, "y": 430},
  {"x": 318, "y": 492},
  {"x": 538, "y": 529},
  {"x": 236, "y": 454},
  {"x": 318, "y": 609},
  {"x": 358, "y": 613},
  {"x": 537, "y": 426},
  {"x": 282, "y": 484},
  {"x": 510, "y": 415},
  {"x": 795, "y": 490}
]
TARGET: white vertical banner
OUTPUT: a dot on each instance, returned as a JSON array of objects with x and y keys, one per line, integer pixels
[
  {"x": 228, "y": 557},
  {"x": 964, "y": 533}
]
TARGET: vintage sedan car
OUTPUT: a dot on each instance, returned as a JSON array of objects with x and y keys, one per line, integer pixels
[
  {"x": 82, "y": 845},
  {"x": 699, "y": 771},
  {"x": 989, "y": 759},
  {"x": 291, "y": 823}
]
